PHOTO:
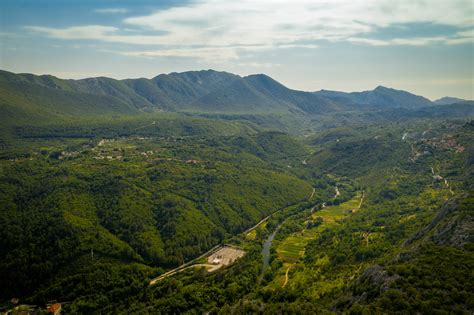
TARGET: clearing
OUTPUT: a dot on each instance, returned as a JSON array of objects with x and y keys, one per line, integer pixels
[{"x": 225, "y": 256}]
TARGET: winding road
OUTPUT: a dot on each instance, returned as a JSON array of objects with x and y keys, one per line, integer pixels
[{"x": 446, "y": 183}]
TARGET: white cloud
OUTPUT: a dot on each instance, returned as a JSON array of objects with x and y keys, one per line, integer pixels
[
  {"x": 460, "y": 40},
  {"x": 267, "y": 65},
  {"x": 215, "y": 54},
  {"x": 96, "y": 32},
  {"x": 111, "y": 10},
  {"x": 415, "y": 41},
  {"x": 218, "y": 54},
  {"x": 77, "y": 32},
  {"x": 223, "y": 29},
  {"x": 467, "y": 33},
  {"x": 368, "y": 41},
  {"x": 247, "y": 22}
]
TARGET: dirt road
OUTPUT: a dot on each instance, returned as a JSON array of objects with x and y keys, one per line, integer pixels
[{"x": 286, "y": 277}]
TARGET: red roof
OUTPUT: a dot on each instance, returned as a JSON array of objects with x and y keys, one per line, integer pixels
[{"x": 54, "y": 307}]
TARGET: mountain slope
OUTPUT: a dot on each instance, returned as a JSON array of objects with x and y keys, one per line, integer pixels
[
  {"x": 305, "y": 101},
  {"x": 176, "y": 90},
  {"x": 26, "y": 99},
  {"x": 240, "y": 96}
]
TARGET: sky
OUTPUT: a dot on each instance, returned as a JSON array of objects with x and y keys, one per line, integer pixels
[{"x": 422, "y": 46}]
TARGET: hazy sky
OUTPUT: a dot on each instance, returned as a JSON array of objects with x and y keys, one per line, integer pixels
[{"x": 423, "y": 46}]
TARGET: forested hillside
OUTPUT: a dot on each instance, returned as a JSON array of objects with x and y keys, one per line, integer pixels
[{"x": 158, "y": 201}]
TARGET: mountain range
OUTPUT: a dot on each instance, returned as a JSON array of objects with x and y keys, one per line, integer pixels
[{"x": 27, "y": 96}]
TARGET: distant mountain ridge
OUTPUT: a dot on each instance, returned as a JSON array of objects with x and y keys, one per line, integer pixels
[
  {"x": 379, "y": 98},
  {"x": 447, "y": 100},
  {"x": 207, "y": 91}
]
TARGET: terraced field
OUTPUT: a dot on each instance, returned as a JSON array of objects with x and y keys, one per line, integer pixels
[
  {"x": 292, "y": 248},
  {"x": 333, "y": 213}
]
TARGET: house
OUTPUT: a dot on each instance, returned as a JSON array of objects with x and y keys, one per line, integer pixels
[{"x": 54, "y": 308}]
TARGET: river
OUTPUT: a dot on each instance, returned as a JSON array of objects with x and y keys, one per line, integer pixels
[{"x": 266, "y": 252}]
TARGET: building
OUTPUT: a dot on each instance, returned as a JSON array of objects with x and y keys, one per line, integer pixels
[{"x": 54, "y": 308}]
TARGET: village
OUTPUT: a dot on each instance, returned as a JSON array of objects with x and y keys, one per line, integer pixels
[{"x": 53, "y": 307}]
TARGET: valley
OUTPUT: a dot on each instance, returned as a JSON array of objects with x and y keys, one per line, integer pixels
[
  {"x": 290, "y": 208},
  {"x": 236, "y": 157}
]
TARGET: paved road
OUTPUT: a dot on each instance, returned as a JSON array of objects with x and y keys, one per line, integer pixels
[
  {"x": 209, "y": 267},
  {"x": 256, "y": 225}
]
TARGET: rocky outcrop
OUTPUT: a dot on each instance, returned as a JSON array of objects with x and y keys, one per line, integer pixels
[{"x": 457, "y": 232}]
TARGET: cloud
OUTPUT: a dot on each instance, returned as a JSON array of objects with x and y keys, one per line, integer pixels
[
  {"x": 249, "y": 22},
  {"x": 216, "y": 55},
  {"x": 463, "y": 37},
  {"x": 224, "y": 29},
  {"x": 111, "y": 10},
  {"x": 77, "y": 32},
  {"x": 267, "y": 65},
  {"x": 415, "y": 41},
  {"x": 96, "y": 32}
]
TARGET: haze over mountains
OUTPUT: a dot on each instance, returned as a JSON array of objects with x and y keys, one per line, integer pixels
[{"x": 28, "y": 95}]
